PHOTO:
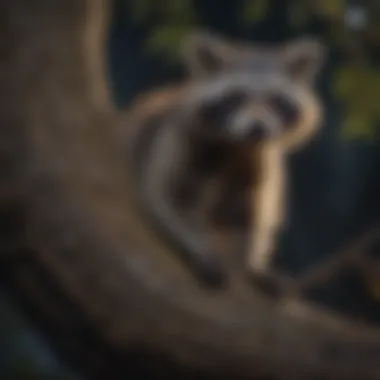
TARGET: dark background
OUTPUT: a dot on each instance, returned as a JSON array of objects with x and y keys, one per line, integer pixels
[{"x": 335, "y": 183}]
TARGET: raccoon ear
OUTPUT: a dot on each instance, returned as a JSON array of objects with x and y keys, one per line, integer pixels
[
  {"x": 304, "y": 59},
  {"x": 205, "y": 53}
]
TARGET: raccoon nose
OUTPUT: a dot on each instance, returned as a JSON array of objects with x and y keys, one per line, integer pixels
[{"x": 257, "y": 131}]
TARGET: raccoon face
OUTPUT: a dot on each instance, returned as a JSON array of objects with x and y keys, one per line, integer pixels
[
  {"x": 240, "y": 112},
  {"x": 243, "y": 92}
]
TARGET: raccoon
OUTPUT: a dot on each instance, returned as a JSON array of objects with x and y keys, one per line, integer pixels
[
  {"x": 282, "y": 80},
  {"x": 242, "y": 109}
]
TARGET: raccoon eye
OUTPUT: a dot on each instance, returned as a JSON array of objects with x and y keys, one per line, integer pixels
[
  {"x": 231, "y": 101},
  {"x": 285, "y": 108},
  {"x": 217, "y": 111}
]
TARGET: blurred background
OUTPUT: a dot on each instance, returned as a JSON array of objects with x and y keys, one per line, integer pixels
[{"x": 335, "y": 181}]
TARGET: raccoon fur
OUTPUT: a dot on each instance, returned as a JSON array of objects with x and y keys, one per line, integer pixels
[{"x": 227, "y": 128}]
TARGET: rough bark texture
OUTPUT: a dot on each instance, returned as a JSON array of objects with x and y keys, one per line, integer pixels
[{"x": 76, "y": 251}]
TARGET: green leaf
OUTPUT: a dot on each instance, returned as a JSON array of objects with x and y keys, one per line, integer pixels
[
  {"x": 358, "y": 126},
  {"x": 180, "y": 11},
  {"x": 331, "y": 8},
  {"x": 140, "y": 10},
  {"x": 253, "y": 11},
  {"x": 167, "y": 40},
  {"x": 297, "y": 14},
  {"x": 343, "y": 82}
]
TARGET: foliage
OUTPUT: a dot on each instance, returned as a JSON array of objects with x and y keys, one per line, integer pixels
[
  {"x": 173, "y": 18},
  {"x": 352, "y": 30}
]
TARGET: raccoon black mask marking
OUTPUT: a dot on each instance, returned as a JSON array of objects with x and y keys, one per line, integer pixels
[{"x": 219, "y": 118}]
